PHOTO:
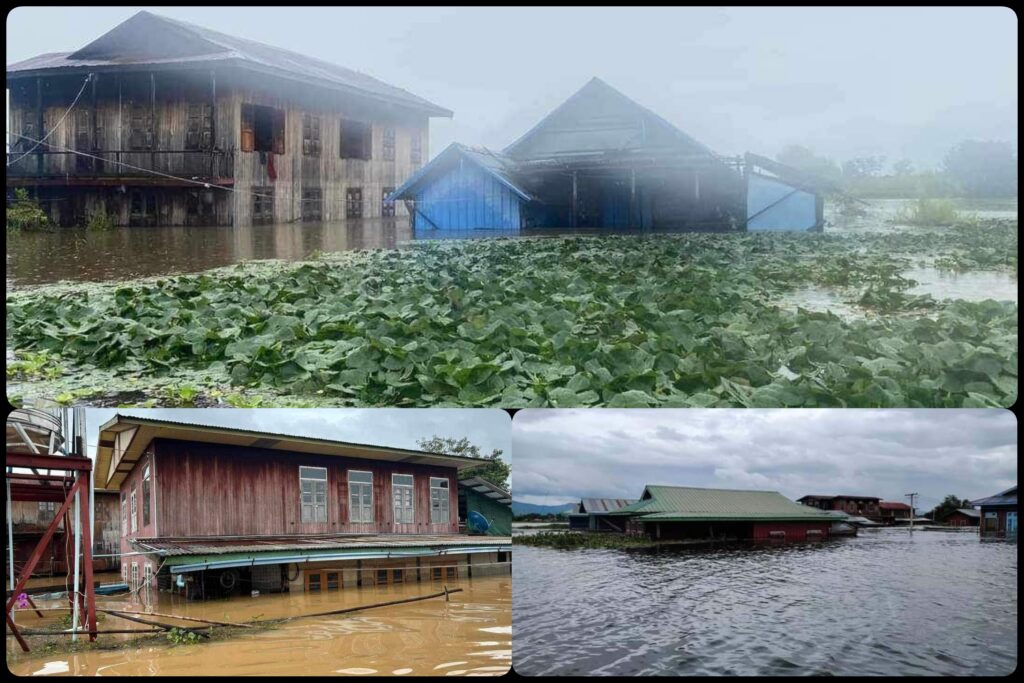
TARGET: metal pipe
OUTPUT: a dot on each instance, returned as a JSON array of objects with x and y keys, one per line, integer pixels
[
  {"x": 75, "y": 623},
  {"x": 10, "y": 539}
]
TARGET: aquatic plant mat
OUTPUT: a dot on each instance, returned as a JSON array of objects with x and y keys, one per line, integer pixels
[
  {"x": 667, "y": 320},
  {"x": 572, "y": 540}
]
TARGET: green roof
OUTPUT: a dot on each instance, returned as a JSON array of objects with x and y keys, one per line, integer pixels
[{"x": 685, "y": 503}]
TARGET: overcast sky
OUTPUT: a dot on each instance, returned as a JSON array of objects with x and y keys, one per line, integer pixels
[
  {"x": 563, "y": 455},
  {"x": 901, "y": 82},
  {"x": 396, "y": 427}
]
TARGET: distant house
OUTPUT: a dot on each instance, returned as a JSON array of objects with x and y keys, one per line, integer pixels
[
  {"x": 478, "y": 496},
  {"x": 602, "y": 161},
  {"x": 162, "y": 122},
  {"x": 678, "y": 512},
  {"x": 594, "y": 514},
  {"x": 999, "y": 514},
  {"x": 893, "y": 512},
  {"x": 863, "y": 506},
  {"x": 961, "y": 517},
  {"x": 209, "y": 510}
]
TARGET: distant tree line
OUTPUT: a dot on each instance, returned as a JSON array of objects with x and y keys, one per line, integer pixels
[
  {"x": 972, "y": 168},
  {"x": 536, "y": 517},
  {"x": 948, "y": 505}
]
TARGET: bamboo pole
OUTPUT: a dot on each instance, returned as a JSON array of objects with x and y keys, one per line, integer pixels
[
  {"x": 379, "y": 604},
  {"x": 176, "y": 616},
  {"x": 85, "y": 633},
  {"x": 149, "y": 622}
]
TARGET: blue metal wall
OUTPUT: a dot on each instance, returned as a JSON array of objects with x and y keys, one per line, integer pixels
[
  {"x": 467, "y": 198},
  {"x": 797, "y": 210}
]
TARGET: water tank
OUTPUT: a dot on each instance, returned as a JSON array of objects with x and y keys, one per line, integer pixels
[{"x": 32, "y": 430}]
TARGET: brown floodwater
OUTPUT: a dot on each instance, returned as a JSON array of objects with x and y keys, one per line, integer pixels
[{"x": 469, "y": 635}]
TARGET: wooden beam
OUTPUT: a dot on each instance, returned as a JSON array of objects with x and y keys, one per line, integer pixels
[
  {"x": 40, "y": 120},
  {"x": 152, "y": 101},
  {"x": 90, "y": 592},
  {"x": 213, "y": 121}
]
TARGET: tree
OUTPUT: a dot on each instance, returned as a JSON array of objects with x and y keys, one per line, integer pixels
[
  {"x": 494, "y": 469},
  {"x": 804, "y": 159},
  {"x": 861, "y": 167},
  {"x": 903, "y": 167},
  {"x": 983, "y": 168},
  {"x": 948, "y": 505}
]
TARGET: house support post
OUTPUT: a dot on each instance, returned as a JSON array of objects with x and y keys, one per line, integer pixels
[
  {"x": 213, "y": 122},
  {"x": 152, "y": 103},
  {"x": 40, "y": 120}
]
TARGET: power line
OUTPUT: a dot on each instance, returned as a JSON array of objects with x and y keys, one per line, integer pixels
[{"x": 55, "y": 127}]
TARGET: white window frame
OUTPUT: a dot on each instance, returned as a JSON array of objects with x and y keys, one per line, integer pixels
[
  {"x": 398, "y": 512},
  {"x": 124, "y": 515},
  {"x": 445, "y": 498},
  {"x": 135, "y": 510},
  {"x": 135, "y": 576},
  {"x": 352, "y": 510},
  {"x": 317, "y": 507},
  {"x": 147, "y": 485}
]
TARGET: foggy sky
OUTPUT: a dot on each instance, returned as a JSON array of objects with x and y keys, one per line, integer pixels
[
  {"x": 901, "y": 82},
  {"x": 395, "y": 427},
  {"x": 563, "y": 455}
]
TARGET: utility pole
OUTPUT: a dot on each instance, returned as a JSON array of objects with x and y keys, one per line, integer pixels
[{"x": 911, "y": 496}]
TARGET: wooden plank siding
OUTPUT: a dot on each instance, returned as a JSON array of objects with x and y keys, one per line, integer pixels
[
  {"x": 102, "y": 126},
  {"x": 213, "y": 490}
]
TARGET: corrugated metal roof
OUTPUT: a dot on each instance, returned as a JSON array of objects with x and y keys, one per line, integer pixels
[
  {"x": 893, "y": 506},
  {"x": 173, "y": 547},
  {"x": 682, "y": 503},
  {"x": 223, "y": 47},
  {"x": 501, "y": 167},
  {"x": 604, "y": 504},
  {"x": 486, "y": 488},
  {"x": 1007, "y": 497}
]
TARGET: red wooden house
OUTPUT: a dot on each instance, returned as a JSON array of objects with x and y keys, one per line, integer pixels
[{"x": 212, "y": 509}]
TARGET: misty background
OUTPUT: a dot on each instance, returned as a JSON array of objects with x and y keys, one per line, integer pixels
[
  {"x": 564, "y": 455},
  {"x": 901, "y": 83}
]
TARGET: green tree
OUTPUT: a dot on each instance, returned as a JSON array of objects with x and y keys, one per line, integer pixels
[
  {"x": 903, "y": 167},
  {"x": 804, "y": 159},
  {"x": 861, "y": 167},
  {"x": 983, "y": 168},
  {"x": 494, "y": 469},
  {"x": 948, "y": 505},
  {"x": 24, "y": 213}
]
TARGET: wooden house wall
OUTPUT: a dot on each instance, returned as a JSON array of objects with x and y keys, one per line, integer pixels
[
  {"x": 466, "y": 198},
  {"x": 134, "y": 478},
  {"x": 107, "y": 115},
  {"x": 795, "y": 531},
  {"x": 212, "y": 490},
  {"x": 27, "y": 517}
]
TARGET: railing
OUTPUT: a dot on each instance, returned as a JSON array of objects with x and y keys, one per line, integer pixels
[{"x": 134, "y": 163}]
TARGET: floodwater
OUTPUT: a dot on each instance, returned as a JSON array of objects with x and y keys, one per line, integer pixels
[
  {"x": 883, "y": 603},
  {"x": 471, "y": 634}
]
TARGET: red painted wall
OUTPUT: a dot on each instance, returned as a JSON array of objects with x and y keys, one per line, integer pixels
[
  {"x": 213, "y": 490},
  {"x": 795, "y": 531}
]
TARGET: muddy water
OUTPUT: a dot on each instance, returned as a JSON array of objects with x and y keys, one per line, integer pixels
[
  {"x": 471, "y": 634},
  {"x": 883, "y": 603},
  {"x": 975, "y": 285}
]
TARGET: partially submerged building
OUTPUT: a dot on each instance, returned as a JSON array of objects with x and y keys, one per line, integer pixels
[
  {"x": 210, "y": 510},
  {"x": 594, "y": 514},
  {"x": 484, "y": 507},
  {"x": 682, "y": 512},
  {"x": 862, "y": 506},
  {"x": 893, "y": 513},
  {"x": 602, "y": 161},
  {"x": 961, "y": 517},
  {"x": 161, "y": 122},
  {"x": 999, "y": 514}
]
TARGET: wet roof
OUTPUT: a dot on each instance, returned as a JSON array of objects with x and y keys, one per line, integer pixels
[
  {"x": 172, "y": 547},
  {"x": 604, "y": 504},
  {"x": 486, "y": 488},
  {"x": 501, "y": 167},
  {"x": 893, "y": 506},
  {"x": 140, "y": 40},
  {"x": 683, "y": 503},
  {"x": 1007, "y": 497}
]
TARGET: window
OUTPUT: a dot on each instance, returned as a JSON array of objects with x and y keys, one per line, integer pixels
[
  {"x": 142, "y": 209},
  {"x": 135, "y": 576},
  {"x": 991, "y": 521},
  {"x": 312, "y": 205},
  {"x": 149, "y": 575},
  {"x": 310, "y": 135},
  {"x": 397, "y": 576},
  {"x": 360, "y": 497},
  {"x": 199, "y": 207},
  {"x": 333, "y": 582},
  {"x": 140, "y": 126},
  {"x": 199, "y": 127},
  {"x": 135, "y": 512},
  {"x": 314, "y": 493},
  {"x": 416, "y": 149},
  {"x": 262, "y": 129},
  {"x": 504, "y": 556},
  {"x": 382, "y": 576},
  {"x": 388, "y": 144},
  {"x": 356, "y": 139},
  {"x": 124, "y": 515},
  {"x": 439, "y": 500},
  {"x": 145, "y": 495},
  {"x": 387, "y": 208},
  {"x": 313, "y": 581},
  {"x": 354, "y": 202},
  {"x": 47, "y": 510},
  {"x": 262, "y": 205},
  {"x": 402, "y": 497}
]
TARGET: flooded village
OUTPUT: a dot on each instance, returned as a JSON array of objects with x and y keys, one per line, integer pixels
[
  {"x": 239, "y": 546},
  {"x": 700, "y": 580}
]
